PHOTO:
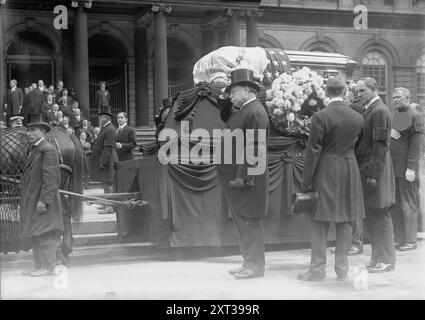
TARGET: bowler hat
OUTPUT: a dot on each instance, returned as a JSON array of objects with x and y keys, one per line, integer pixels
[
  {"x": 38, "y": 120},
  {"x": 243, "y": 77},
  {"x": 304, "y": 202}
]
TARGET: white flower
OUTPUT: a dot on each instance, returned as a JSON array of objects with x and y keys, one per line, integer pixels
[
  {"x": 269, "y": 94},
  {"x": 277, "y": 112},
  {"x": 290, "y": 117},
  {"x": 326, "y": 101},
  {"x": 280, "y": 103},
  {"x": 312, "y": 102}
]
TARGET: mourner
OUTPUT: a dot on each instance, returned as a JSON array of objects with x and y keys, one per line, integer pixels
[
  {"x": 248, "y": 204},
  {"x": 407, "y": 147},
  {"x": 104, "y": 153},
  {"x": 126, "y": 138},
  {"x": 330, "y": 168},
  {"x": 39, "y": 97},
  {"x": 376, "y": 169},
  {"x": 15, "y": 98},
  {"x": 41, "y": 213}
]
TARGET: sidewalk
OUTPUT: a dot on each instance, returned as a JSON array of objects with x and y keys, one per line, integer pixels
[{"x": 137, "y": 271}]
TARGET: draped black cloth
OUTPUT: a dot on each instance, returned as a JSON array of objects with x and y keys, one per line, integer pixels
[{"x": 187, "y": 206}]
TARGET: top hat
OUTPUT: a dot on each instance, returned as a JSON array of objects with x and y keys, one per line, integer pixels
[
  {"x": 304, "y": 202},
  {"x": 243, "y": 77},
  {"x": 106, "y": 111},
  {"x": 38, "y": 120},
  {"x": 15, "y": 117}
]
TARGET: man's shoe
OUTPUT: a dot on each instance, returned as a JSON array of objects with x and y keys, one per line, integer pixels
[
  {"x": 27, "y": 272},
  {"x": 236, "y": 270},
  {"x": 308, "y": 276},
  {"x": 371, "y": 264},
  {"x": 354, "y": 250},
  {"x": 408, "y": 246},
  {"x": 247, "y": 273},
  {"x": 42, "y": 273},
  {"x": 381, "y": 267},
  {"x": 398, "y": 245}
]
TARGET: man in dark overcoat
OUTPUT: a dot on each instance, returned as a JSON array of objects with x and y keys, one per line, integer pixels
[
  {"x": 15, "y": 98},
  {"x": 248, "y": 203},
  {"x": 407, "y": 149},
  {"x": 39, "y": 97},
  {"x": 126, "y": 138},
  {"x": 330, "y": 168},
  {"x": 41, "y": 213},
  {"x": 376, "y": 169},
  {"x": 102, "y": 97},
  {"x": 104, "y": 153}
]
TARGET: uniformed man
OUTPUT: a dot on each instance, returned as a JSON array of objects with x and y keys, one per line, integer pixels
[
  {"x": 407, "y": 145},
  {"x": 102, "y": 97}
]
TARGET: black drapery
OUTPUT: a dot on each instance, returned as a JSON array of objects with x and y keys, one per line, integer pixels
[{"x": 188, "y": 208}]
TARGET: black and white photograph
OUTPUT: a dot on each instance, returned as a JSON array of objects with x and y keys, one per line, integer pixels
[{"x": 217, "y": 150}]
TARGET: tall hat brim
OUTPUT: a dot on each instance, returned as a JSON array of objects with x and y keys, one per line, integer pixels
[
  {"x": 16, "y": 117},
  {"x": 249, "y": 83},
  {"x": 42, "y": 125},
  {"x": 106, "y": 113}
]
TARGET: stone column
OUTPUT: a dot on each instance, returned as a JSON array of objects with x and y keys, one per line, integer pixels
[
  {"x": 252, "y": 27},
  {"x": 81, "y": 62},
  {"x": 141, "y": 74},
  {"x": 160, "y": 55},
  {"x": 234, "y": 37}
]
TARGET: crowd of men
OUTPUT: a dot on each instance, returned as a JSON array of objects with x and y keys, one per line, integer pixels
[{"x": 60, "y": 108}]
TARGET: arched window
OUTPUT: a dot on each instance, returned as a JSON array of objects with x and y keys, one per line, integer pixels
[
  {"x": 420, "y": 78},
  {"x": 375, "y": 65}
]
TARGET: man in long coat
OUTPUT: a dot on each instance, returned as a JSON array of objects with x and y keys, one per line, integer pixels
[
  {"x": 248, "y": 203},
  {"x": 330, "y": 168},
  {"x": 104, "y": 153},
  {"x": 376, "y": 169},
  {"x": 15, "y": 98},
  {"x": 41, "y": 212},
  {"x": 407, "y": 149},
  {"x": 126, "y": 138},
  {"x": 102, "y": 97}
]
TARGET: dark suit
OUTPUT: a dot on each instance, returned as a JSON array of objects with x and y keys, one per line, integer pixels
[
  {"x": 104, "y": 155},
  {"x": 40, "y": 182},
  {"x": 331, "y": 168},
  {"x": 15, "y": 99},
  {"x": 39, "y": 97},
  {"x": 46, "y": 107},
  {"x": 248, "y": 205},
  {"x": 102, "y": 99},
  {"x": 406, "y": 153},
  {"x": 127, "y": 137},
  {"x": 74, "y": 122},
  {"x": 28, "y": 106},
  {"x": 374, "y": 159}
]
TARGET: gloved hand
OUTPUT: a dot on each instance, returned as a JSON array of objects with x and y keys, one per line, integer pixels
[
  {"x": 237, "y": 183},
  {"x": 410, "y": 175},
  {"x": 372, "y": 184}
]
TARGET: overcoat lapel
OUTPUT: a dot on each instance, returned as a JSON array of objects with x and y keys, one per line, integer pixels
[{"x": 371, "y": 107}]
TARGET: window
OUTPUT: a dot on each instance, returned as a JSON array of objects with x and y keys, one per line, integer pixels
[
  {"x": 420, "y": 79},
  {"x": 375, "y": 66}
]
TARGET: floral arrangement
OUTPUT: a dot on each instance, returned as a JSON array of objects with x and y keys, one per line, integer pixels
[{"x": 292, "y": 99}]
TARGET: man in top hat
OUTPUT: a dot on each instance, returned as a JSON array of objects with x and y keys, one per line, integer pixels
[
  {"x": 41, "y": 211},
  {"x": 102, "y": 97},
  {"x": 330, "y": 168},
  {"x": 407, "y": 149},
  {"x": 248, "y": 202},
  {"x": 376, "y": 171},
  {"x": 16, "y": 121},
  {"x": 104, "y": 153},
  {"x": 15, "y": 98},
  {"x": 126, "y": 138}
]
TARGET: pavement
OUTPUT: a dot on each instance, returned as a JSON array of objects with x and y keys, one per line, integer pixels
[{"x": 140, "y": 271}]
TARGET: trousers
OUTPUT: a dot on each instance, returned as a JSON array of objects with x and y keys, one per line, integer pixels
[
  {"x": 319, "y": 235},
  {"x": 250, "y": 233},
  {"x": 44, "y": 250},
  {"x": 405, "y": 212},
  {"x": 381, "y": 235}
]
